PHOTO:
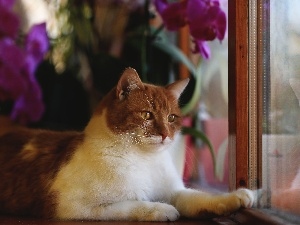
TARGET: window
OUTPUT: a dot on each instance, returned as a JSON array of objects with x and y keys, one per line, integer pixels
[
  {"x": 281, "y": 111},
  {"x": 264, "y": 94}
]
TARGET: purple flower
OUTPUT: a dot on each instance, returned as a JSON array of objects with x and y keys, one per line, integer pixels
[
  {"x": 29, "y": 106},
  {"x": 12, "y": 82},
  {"x": 37, "y": 41},
  {"x": 7, "y": 3},
  {"x": 205, "y": 18},
  {"x": 173, "y": 15},
  {"x": 18, "y": 65},
  {"x": 203, "y": 48},
  {"x": 9, "y": 22}
]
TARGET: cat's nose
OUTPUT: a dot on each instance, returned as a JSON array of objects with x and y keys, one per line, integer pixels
[
  {"x": 164, "y": 133},
  {"x": 163, "y": 136}
]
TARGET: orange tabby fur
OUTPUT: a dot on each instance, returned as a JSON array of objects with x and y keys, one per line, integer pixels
[{"x": 29, "y": 167}]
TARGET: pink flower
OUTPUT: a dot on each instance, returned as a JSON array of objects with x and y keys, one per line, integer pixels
[{"x": 205, "y": 18}]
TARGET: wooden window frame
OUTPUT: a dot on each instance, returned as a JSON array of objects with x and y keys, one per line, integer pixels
[
  {"x": 245, "y": 74},
  {"x": 238, "y": 92}
]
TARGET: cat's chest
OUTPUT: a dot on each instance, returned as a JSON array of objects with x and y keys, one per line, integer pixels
[{"x": 114, "y": 174}]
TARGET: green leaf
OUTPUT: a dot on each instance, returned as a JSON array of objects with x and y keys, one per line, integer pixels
[
  {"x": 193, "y": 102},
  {"x": 220, "y": 160},
  {"x": 175, "y": 53},
  {"x": 198, "y": 134}
]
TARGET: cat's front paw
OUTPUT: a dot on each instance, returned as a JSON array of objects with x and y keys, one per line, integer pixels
[
  {"x": 235, "y": 200},
  {"x": 246, "y": 197},
  {"x": 160, "y": 212}
]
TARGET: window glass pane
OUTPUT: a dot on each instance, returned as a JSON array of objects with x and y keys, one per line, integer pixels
[
  {"x": 213, "y": 119},
  {"x": 281, "y": 101}
]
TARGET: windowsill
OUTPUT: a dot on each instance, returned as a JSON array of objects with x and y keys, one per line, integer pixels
[
  {"x": 245, "y": 217},
  {"x": 257, "y": 216}
]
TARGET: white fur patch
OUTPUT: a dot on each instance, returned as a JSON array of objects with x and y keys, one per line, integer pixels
[{"x": 105, "y": 170}]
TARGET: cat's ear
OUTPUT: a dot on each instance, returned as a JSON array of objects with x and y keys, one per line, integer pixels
[
  {"x": 128, "y": 81},
  {"x": 178, "y": 87}
]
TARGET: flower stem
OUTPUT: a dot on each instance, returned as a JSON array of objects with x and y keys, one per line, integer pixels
[
  {"x": 157, "y": 31},
  {"x": 193, "y": 103},
  {"x": 145, "y": 43}
]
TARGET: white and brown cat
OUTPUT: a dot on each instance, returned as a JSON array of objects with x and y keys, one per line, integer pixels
[{"x": 118, "y": 168}]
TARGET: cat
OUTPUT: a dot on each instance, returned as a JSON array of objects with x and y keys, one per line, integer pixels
[{"x": 118, "y": 168}]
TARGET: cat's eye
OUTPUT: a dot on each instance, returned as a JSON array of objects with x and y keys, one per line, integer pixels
[
  {"x": 147, "y": 115},
  {"x": 171, "y": 118}
]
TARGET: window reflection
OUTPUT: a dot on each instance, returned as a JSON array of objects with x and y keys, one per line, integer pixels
[{"x": 281, "y": 139}]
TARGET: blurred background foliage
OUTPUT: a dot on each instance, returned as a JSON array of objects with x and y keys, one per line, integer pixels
[{"x": 91, "y": 44}]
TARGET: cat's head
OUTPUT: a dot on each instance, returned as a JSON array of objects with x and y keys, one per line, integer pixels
[{"x": 144, "y": 114}]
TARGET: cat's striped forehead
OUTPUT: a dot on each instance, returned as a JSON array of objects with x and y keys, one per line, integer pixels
[
  {"x": 153, "y": 98},
  {"x": 124, "y": 115}
]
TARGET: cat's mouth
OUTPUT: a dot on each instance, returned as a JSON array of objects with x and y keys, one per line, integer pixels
[
  {"x": 150, "y": 140},
  {"x": 156, "y": 140}
]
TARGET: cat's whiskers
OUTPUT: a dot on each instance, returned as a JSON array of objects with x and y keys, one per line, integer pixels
[{"x": 142, "y": 139}]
